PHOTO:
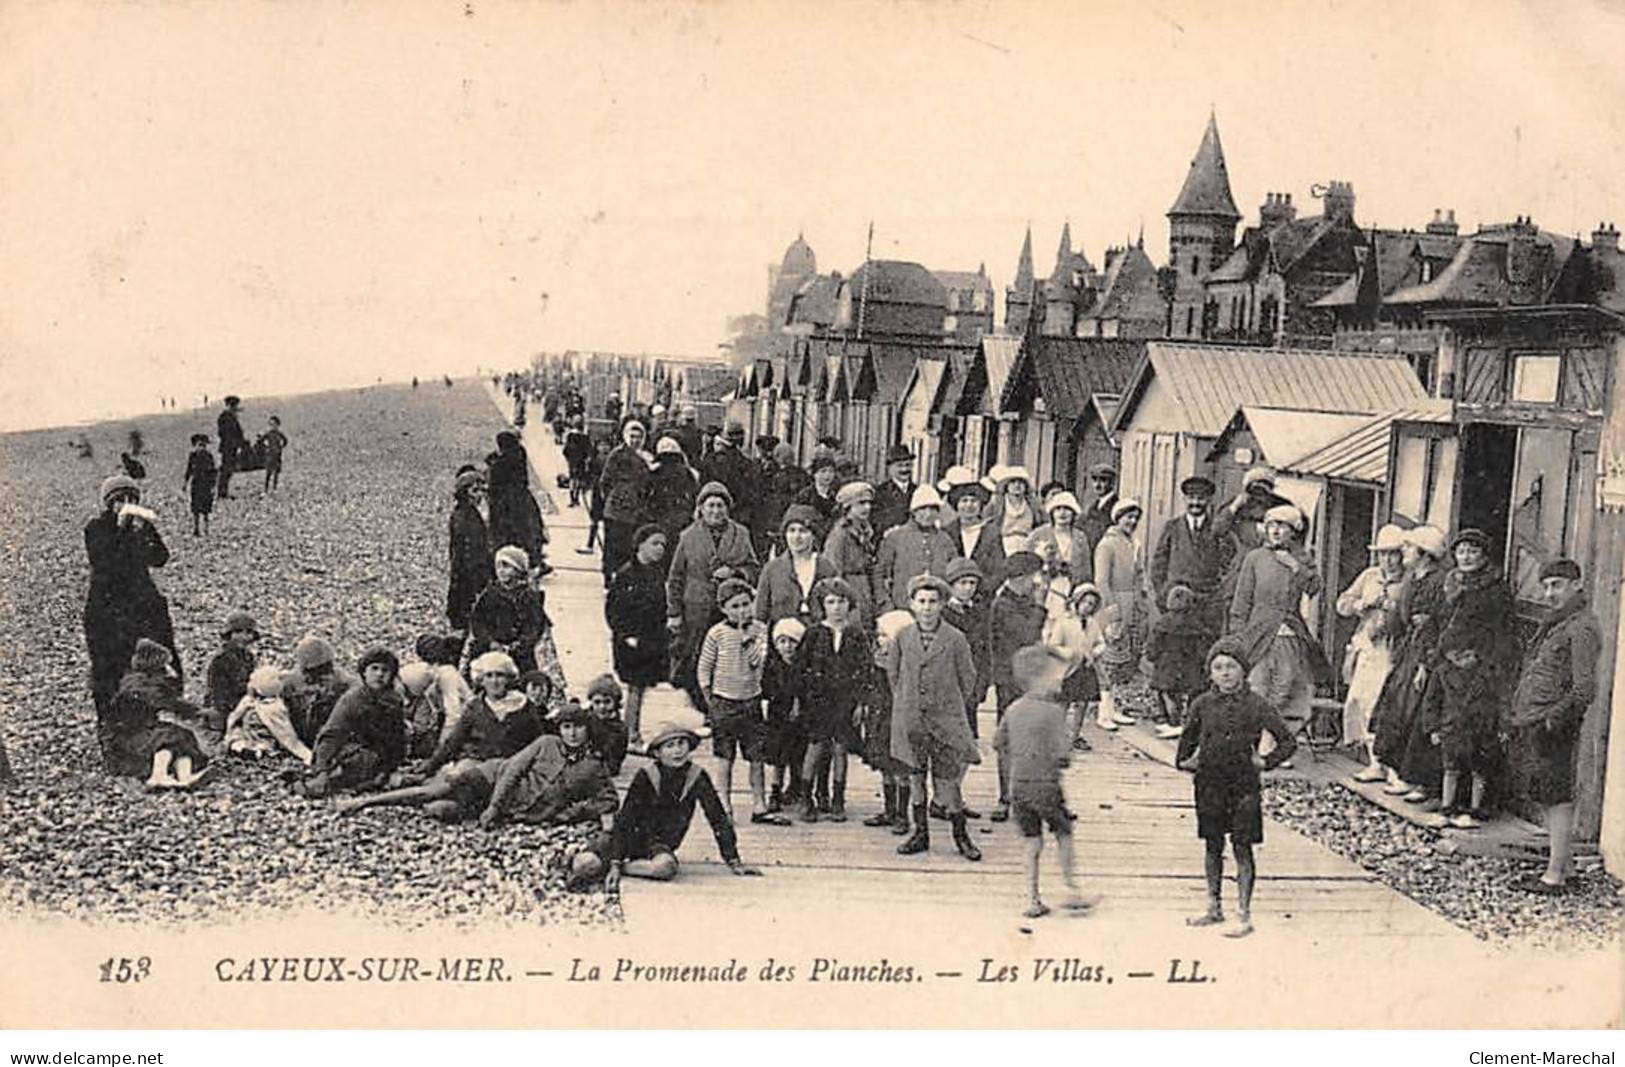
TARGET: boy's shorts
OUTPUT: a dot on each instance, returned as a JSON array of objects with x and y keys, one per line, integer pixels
[
  {"x": 738, "y": 729},
  {"x": 1034, "y": 806}
]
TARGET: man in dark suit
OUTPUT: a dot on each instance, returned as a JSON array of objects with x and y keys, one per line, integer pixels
[
  {"x": 892, "y": 495},
  {"x": 1195, "y": 551},
  {"x": 1095, "y": 521}
]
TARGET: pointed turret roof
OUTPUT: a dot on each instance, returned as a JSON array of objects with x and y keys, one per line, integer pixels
[
  {"x": 1063, "y": 254},
  {"x": 1207, "y": 186},
  {"x": 1024, "y": 265}
]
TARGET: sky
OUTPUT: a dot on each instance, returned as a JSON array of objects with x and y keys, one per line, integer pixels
[{"x": 256, "y": 198}]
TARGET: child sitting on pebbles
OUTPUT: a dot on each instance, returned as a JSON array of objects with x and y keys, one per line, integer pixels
[
  {"x": 364, "y": 739},
  {"x": 659, "y": 807},
  {"x": 448, "y": 692},
  {"x": 1223, "y": 728},
  {"x": 260, "y": 724},
  {"x": 229, "y": 669},
  {"x": 500, "y": 721},
  {"x": 135, "y": 741},
  {"x": 555, "y": 781},
  {"x": 607, "y": 732}
]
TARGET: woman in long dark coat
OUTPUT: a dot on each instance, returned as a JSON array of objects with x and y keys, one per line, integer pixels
[
  {"x": 123, "y": 604},
  {"x": 515, "y": 517},
  {"x": 622, "y": 495},
  {"x": 1474, "y": 598},
  {"x": 636, "y": 612},
  {"x": 470, "y": 551},
  {"x": 1415, "y": 620}
]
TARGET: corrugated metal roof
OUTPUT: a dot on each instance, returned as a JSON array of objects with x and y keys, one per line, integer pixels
[
  {"x": 999, "y": 352},
  {"x": 1284, "y": 434},
  {"x": 1361, "y": 455},
  {"x": 1209, "y": 382}
]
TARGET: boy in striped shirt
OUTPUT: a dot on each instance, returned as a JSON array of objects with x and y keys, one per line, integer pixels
[{"x": 730, "y": 677}]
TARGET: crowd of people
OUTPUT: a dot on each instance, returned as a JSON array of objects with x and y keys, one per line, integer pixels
[
  {"x": 811, "y": 616},
  {"x": 743, "y": 549}
]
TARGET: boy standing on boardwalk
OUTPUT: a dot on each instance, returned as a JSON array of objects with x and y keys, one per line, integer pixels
[
  {"x": 1033, "y": 741},
  {"x": 1220, "y": 745},
  {"x": 729, "y": 677},
  {"x": 932, "y": 674}
]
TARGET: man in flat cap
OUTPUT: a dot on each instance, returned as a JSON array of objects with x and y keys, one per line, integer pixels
[
  {"x": 1098, "y": 518},
  {"x": 1558, "y": 684},
  {"x": 729, "y": 465},
  {"x": 1194, "y": 551},
  {"x": 892, "y": 496}
]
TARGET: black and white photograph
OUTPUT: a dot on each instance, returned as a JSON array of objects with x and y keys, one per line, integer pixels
[{"x": 812, "y": 516}]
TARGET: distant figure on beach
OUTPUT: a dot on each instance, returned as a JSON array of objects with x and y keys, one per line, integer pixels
[
  {"x": 200, "y": 479},
  {"x": 270, "y": 446},
  {"x": 230, "y": 431}
]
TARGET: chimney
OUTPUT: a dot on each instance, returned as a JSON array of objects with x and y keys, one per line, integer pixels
[
  {"x": 1339, "y": 202},
  {"x": 1605, "y": 237},
  {"x": 1276, "y": 209},
  {"x": 1527, "y": 263},
  {"x": 1444, "y": 223}
]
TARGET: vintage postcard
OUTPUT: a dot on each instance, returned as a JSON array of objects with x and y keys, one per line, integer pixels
[{"x": 553, "y": 515}]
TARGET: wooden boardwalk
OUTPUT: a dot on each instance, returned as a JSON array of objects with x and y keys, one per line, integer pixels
[{"x": 1136, "y": 832}]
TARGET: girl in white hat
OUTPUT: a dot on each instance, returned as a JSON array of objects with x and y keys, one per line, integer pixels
[
  {"x": 1064, "y": 548},
  {"x": 1373, "y": 598}
]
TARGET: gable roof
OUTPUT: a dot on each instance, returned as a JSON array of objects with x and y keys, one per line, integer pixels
[
  {"x": 954, "y": 376},
  {"x": 1284, "y": 434},
  {"x": 983, "y": 381},
  {"x": 1207, "y": 185},
  {"x": 925, "y": 382},
  {"x": 1398, "y": 256},
  {"x": 1209, "y": 382},
  {"x": 1361, "y": 455}
]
